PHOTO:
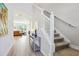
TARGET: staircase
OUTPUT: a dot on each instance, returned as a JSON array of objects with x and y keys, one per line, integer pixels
[{"x": 59, "y": 42}]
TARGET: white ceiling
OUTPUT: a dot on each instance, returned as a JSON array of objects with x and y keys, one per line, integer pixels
[
  {"x": 24, "y": 7},
  {"x": 21, "y": 10}
]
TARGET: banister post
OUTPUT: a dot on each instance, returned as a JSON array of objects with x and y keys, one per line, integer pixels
[{"x": 52, "y": 33}]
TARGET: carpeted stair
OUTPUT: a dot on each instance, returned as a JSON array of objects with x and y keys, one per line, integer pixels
[{"x": 59, "y": 42}]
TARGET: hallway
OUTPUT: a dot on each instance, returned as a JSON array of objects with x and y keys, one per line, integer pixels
[{"x": 22, "y": 48}]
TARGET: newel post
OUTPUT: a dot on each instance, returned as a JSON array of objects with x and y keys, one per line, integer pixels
[{"x": 52, "y": 33}]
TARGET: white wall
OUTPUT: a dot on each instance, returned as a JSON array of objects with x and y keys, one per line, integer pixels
[
  {"x": 65, "y": 11},
  {"x": 69, "y": 13},
  {"x": 7, "y": 41}
]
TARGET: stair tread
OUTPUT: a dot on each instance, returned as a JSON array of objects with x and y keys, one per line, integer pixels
[
  {"x": 56, "y": 33},
  {"x": 58, "y": 37},
  {"x": 61, "y": 43}
]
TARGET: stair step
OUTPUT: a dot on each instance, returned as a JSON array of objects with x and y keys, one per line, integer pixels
[
  {"x": 54, "y": 31},
  {"x": 56, "y": 34},
  {"x": 61, "y": 45},
  {"x": 58, "y": 39}
]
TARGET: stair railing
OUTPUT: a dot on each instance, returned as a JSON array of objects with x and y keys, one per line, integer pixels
[
  {"x": 69, "y": 24},
  {"x": 45, "y": 22}
]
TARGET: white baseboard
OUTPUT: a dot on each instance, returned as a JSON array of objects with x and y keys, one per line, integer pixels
[
  {"x": 9, "y": 49},
  {"x": 46, "y": 54},
  {"x": 43, "y": 53},
  {"x": 74, "y": 47}
]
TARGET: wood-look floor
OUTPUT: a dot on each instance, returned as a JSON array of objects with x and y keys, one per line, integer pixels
[
  {"x": 67, "y": 52},
  {"x": 22, "y": 48}
]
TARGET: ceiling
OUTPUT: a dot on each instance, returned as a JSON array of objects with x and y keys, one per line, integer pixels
[{"x": 20, "y": 10}]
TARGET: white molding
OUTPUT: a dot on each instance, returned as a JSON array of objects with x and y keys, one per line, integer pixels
[
  {"x": 74, "y": 46},
  {"x": 9, "y": 49},
  {"x": 62, "y": 35},
  {"x": 43, "y": 53},
  {"x": 50, "y": 53}
]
